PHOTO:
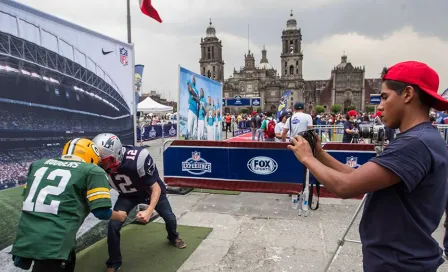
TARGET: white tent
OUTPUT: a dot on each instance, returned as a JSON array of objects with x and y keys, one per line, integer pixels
[{"x": 149, "y": 105}]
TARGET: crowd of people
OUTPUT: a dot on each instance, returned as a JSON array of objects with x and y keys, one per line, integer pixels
[
  {"x": 59, "y": 121},
  {"x": 329, "y": 126},
  {"x": 14, "y": 164}
]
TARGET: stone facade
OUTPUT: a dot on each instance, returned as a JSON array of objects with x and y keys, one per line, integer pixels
[{"x": 346, "y": 85}]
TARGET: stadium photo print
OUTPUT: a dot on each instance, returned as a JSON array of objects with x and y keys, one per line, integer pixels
[{"x": 192, "y": 136}]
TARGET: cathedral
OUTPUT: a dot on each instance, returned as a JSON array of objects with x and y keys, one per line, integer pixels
[{"x": 346, "y": 85}]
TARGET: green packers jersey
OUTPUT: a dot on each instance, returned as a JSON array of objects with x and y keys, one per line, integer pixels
[{"x": 58, "y": 196}]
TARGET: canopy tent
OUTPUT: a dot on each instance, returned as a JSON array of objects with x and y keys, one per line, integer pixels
[{"x": 149, "y": 105}]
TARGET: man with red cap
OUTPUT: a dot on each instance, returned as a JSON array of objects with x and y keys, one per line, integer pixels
[
  {"x": 406, "y": 184},
  {"x": 350, "y": 127}
]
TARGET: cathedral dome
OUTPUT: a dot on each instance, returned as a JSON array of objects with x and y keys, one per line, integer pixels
[
  {"x": 343, "y": 61},
  {"x": 292, "y": 23},
  {"x": 211, "y": 31},
  {"x": 264, "y": 66},
  {"x": 264, "y": 63}
]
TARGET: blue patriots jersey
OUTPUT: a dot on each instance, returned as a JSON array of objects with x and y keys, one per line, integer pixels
[{"x": 137, "y": 173}]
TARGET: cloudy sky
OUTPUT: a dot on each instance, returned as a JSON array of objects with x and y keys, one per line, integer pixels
[{"x": 373, "y": 33}]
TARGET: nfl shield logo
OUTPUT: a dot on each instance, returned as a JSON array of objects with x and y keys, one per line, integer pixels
[
  {"x": 352, "y": 161},
  {"x": 196, "y": 156},
  {"x": 124, "y": 56}
]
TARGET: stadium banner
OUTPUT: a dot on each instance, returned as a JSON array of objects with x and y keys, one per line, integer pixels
[
  {"x": 200, "y": 107},
  {"x": 148, "y": 133},
  {"x": 59, "y": 81},
  {"x": 138, "y": 75},
  {"x": 256, "y": 167},
  {"x": 283, "y": 103}
]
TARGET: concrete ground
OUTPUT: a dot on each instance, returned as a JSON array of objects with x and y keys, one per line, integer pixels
[{"x": 262, "y": 232}]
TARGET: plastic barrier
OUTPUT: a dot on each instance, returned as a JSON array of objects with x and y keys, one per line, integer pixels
[{"x": 249, "y": 166}]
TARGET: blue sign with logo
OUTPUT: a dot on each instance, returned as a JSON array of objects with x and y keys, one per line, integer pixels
[
  {"x": 375, "y": 99},
  {"x": 256, "y": 102},
  {"x": 238, "y": 101},
  {"x": 157, "y": 131},
  {"x": 245, "y": 164}
]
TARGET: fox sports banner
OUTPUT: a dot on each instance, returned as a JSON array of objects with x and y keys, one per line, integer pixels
[
  {"x": 58, "y": 81},
  {"x": 200, "y": 107}
]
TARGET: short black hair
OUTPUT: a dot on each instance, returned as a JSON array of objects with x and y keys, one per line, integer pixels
[
  {"x": 399, "y": 86},
  {"x": 269, "y": 114}
]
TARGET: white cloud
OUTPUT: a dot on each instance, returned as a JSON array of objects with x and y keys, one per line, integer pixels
[
  {"x": 402, "y": 45},
  {"x": 161, "y": 49}
]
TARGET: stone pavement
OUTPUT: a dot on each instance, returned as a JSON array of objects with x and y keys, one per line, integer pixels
[{"x": 263, "y": 233}]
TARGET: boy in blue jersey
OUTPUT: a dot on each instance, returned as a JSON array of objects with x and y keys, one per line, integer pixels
[
  {"x": 217, "y": 123},
  {"x": 202, "y": 114},
  {"x": 405, "y": 184},
  {"x": 210, "y": 120},
  {"x": 134, "y": 175},
  {"x": 193, "y": 109}
]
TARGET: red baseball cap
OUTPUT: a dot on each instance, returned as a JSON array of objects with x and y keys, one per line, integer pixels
[
  {"x": 378, "y": 114},
  {"x": 420, "y": 74},
  {"x": 352, "y": 113}
]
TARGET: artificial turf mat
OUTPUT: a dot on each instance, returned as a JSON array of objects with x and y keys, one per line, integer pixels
[
  {"x": 10, "y": 209},
  {"x": 219, "y": 192},
  {"x": 144, "y": 248}
]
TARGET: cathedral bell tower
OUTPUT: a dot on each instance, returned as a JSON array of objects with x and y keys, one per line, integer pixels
[
  {"x": 291, "y": 57},
  {"x": 211, "y": 63}
]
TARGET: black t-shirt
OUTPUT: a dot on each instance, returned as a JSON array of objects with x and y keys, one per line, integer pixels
[
  {"x": 347, "y": 138},
  {"x": 398, "y": 221},
  {"x": 137, "y": 173}
]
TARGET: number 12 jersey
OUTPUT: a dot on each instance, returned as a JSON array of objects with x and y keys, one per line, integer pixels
[
  {"x": 59, "y": 195},
  {"x": 137, "y": 173}
]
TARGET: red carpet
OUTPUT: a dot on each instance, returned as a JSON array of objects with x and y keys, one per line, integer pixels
[{"x": 242, "y": 138}]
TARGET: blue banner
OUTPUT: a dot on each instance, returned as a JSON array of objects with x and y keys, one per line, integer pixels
[
  {"x": 157, "y": 131},
  {"x": 247, "y": 164},
  {"x": 283, "y": 103},
  {"x": 256, "y": 101},
  {"x": 238, "y": 101},
  {"x": 375, "y": 99},
  {"x": 241, "y": 131}
]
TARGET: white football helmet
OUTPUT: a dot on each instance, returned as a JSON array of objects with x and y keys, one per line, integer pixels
[{"x": 111, "y": 151}]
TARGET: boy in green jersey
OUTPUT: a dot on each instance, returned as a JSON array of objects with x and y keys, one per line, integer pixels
[{"x": 59, "y": 195}]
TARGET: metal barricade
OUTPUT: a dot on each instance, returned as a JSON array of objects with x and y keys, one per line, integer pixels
[{"x": 334, "y": 133}]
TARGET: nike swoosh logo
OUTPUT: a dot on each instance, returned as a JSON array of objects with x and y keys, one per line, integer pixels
[{"x": 108, "y": 52}]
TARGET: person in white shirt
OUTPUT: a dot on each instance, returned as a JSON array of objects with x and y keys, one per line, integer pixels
[
  {"x": 279, "y": 127},
  {"x": 298, "y": 122}
]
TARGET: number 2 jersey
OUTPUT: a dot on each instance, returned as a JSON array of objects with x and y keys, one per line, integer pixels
[
  {"x": 137, "y": 173},
  {"x": 59, "y": 194}
]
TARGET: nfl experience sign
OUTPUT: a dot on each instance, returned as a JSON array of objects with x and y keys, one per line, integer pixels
[{"x": 200, "y": 107}]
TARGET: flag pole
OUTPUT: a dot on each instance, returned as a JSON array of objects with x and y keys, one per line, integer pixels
[{"x": 129, "y": 21}]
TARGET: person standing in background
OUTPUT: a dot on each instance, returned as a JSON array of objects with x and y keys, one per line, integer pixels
[
  {"x": 298, "y": 122},
  {"x": 268, "y": 126},
  {"x": 228, "y": 122},
  {"x": 279, "y": 127}
]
